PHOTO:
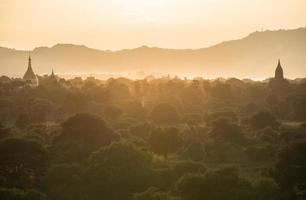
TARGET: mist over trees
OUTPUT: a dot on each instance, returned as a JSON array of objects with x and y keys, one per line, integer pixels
[
  {"x": 152, "y": 139},
  {"x": 251, "y": 56}
]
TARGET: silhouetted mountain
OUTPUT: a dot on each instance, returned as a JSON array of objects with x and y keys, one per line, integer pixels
[{"x": 254, "y": 56}]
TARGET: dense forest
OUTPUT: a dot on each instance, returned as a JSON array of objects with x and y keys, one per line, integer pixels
[{"x": 152, "y": 139}]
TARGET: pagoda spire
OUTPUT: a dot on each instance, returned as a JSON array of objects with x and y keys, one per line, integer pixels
[
  {"x": 29, "y": 75},
  {"x": 30, "y": 61},
  {"x": 279, "y": 73},
  {"x": 53, "y": 76}
]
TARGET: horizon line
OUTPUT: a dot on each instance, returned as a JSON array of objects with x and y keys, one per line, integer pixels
[{"x": 148, "y": 46}]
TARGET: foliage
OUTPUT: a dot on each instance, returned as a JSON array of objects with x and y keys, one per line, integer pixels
[
  {"x": 89, "y": 129},
  {"x": 119, "y": 165},
  {"x": 165, "y": 141},
  {"x": 164, "y": 114},
  {"x": 291, "y": 167},
  {"x": 17, "y": 194},
  {"x": 217, "y": 185},
  {"x": 23, "y": 163},
  {"x": 55, "y": 145},
  {"x": 263, "y": 119}
]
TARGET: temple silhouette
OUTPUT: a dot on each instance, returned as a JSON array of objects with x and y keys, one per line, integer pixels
[
  {"x": 279, "y": 84},
  {"x": 31, "y": 78}
]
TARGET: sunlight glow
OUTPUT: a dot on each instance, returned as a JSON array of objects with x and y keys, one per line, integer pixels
[
  {"x": 146, "y": 11},
  {"x": 118, "y": 24}
]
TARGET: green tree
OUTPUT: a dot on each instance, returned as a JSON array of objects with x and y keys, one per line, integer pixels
[
  {"x": 263, "y": 119},
  {"x": 221, "y": 91},
  {"x": 153, "y": 193},
  {"x": 23, "y": 163},
  {"x": 87, "y": 128},
  {"x": 165, "y": 141},
  {"x": 223, "y": 184},
  {"x": 40, "y": 110},
  {"x": 112, "y": 112},
  {"x": 81, "y": 135},
  {"x": 164, "y": 114},
  {"x": 117, "y": 171},
  {"x": 290, "y": 169},
  {"x": 4, "y": 132},
  {"x": 266, "y": 189},
  {"x": 64, "y": 182},
  {"x": 225, "y": 131},
  {"x": 186, "y": 167},
  {"x": 17, "y": 194},
  {"x": 22, "y": 120}
]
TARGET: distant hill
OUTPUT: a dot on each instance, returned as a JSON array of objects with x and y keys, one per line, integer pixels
[{"x": 254, "y": 56}]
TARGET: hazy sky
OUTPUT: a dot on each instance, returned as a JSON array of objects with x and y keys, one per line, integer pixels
[{"x": 117, "y": 24}]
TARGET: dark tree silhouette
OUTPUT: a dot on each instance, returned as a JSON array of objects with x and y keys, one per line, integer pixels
[
  {"x": 290, "y": 169},
  {"x": 263, "y": 119},
  {"x": 117, "y": 171},
  {"x": 23, "y": 163},
  {"x": 219, "y": 185},
  {"x": 165, "y": 141},
  {"x": 87, "y": 128},
  {"x": 225, "y": 131},
  {"x": 17, "y": 194},
  {"x": 164, "y": 114},
  {"x": 112, "y": 112},
  {"x": 64, "y": 182}
]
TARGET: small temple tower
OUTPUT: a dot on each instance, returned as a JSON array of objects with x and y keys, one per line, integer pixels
[
  {"x": 279, "y": 84},
  {"x": 279, "y": 73},
  {"x": 52, "y": 76},
  {"x": 30, "y": 77}
]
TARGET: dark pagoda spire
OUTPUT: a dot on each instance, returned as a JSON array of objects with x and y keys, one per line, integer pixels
[
  {"x": 279, "y": 74},
  {"x": 52, "y": 73},
  {"x": 30, "y": 76}
]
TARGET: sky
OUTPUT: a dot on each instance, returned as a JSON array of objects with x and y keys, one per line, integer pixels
[{"x": 121, "y": 24}]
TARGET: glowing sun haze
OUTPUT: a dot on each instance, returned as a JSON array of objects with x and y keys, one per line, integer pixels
[{"x": 118, "y": 24}]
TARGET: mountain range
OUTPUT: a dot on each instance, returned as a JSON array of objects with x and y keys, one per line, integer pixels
[{"x": 254, "y": 56}]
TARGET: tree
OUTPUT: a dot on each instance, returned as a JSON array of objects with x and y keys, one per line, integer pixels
[
  {"x": 290, "y": 169},
  {"x": 17, "y": 194},
  {"x": 267, "y": 135},
  {"x": 164, "y": 114},
  {"x": 185, "y": 167},
  {"x": 118, "y": 91},
  {"x": 87, "y": 128},
  {"x": 112, "y": 112},
  {"x": 266, "y": 189},
  {"x": 40, "y": 110},
  {"x": 221, "y": 91},
  {"x": 23, "y": 163},
  {"x": 299, "y": 107},
  {"x": 263, "y": 119},
  {"x": 194, "y": 151},
  {"x": 153, "y": 193},
  {"x": 141, "y": 130},
  {"x": 225, "y": 131},
  {"x": 4, "y": 132},
  {"x": 117, "y": 171},
  {"x": 6, "y": 108},
  {"x": 135, "y": 110},
  {"x": 64, "y": 182},
  {"x": 223, "y": 184},
  {"x": 23, "y": 120},
  {"x": 260, "y": 153},
  {"x": 81, "y": 135},
  {"x": 165, "y": 141},
  {"x": 193, "y": 94}
]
